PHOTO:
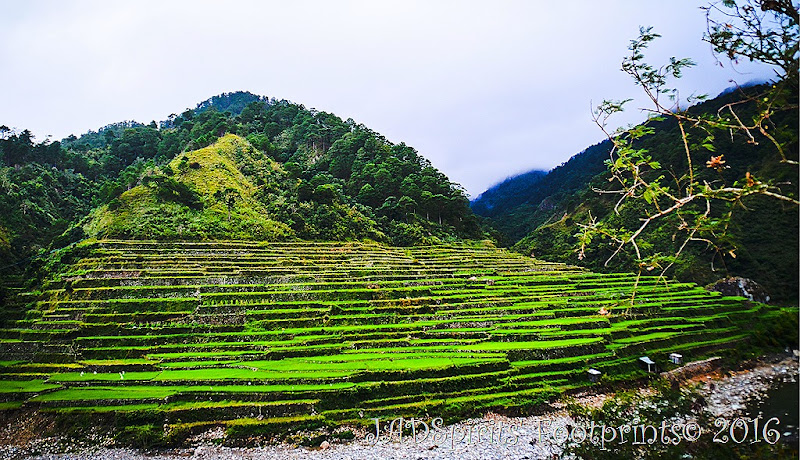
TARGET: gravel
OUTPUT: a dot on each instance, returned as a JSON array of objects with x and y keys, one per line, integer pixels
[{"x": 727, "y": 397}]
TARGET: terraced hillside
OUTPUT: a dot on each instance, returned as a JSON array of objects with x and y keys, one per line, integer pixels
[{"x": 275, "y": 337}]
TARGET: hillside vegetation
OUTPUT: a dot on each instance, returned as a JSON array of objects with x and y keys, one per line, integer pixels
[
  {"x": 200, "y": 194},
  {"x": 520, "y": 204},
  {"x": 508, "y": 194}
]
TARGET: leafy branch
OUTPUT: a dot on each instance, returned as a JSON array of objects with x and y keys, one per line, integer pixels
[{"x": 765, "y": 31}]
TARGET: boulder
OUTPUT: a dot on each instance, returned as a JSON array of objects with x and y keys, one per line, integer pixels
[{"x": 742, "y": 287}]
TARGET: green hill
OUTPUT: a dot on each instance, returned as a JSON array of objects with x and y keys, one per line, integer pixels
[
  {"x": 301, "y": 173},
  {"x": 199, "y": 194}
]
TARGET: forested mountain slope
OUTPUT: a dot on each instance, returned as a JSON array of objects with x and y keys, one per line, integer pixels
[
  {"x": 507, "y": 194},
  {"x": 521, "y": 203},
  {"x": 764, "y": 231}
]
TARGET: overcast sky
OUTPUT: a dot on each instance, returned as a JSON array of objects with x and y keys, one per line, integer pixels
[{"x": 483, "y": 89}]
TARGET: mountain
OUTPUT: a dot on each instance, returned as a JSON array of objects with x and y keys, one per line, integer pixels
[
  {"x": 237, "y": 166},
  {"x": 507, "y": 194},
  {"x": 544, "y": 219},
  {"x": 520, "y": 204}
]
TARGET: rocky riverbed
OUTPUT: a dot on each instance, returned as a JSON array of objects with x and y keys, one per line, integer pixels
[
  {"x": 733, "y": 394},
  {"x": 490, "y": 437}
]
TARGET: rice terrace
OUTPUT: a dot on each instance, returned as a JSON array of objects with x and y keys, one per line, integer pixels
[{"x": 268, "y": 338}]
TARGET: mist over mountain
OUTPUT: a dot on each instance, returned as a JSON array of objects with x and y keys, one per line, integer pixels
[
  {"x": 509, "y": 193},
  {"x": 521, "y": 203}
]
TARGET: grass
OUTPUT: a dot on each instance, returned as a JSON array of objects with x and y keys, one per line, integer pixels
[
  {"x": 25, "y": 386},
  {"x": 537, "y": 345},
  {"x": 139, "y": 392}
]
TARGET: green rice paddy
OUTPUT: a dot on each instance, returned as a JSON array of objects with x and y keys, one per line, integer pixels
[{"x": 253, "y": 336}]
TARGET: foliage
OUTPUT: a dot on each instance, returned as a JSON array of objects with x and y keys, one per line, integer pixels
[
  {"x": 765, "y": 234},
  {"x": 699, "y": 198},
  {"x": 213, "y": 200},
  {"x": 234, "y": 102},
  {"x": 638, "y": 174},
  {"x": 140, "y": 436},
  {"x": 39, "y": 203},
  {"x": 764, "y": 31},
  {"x": 782, "y": 330}
]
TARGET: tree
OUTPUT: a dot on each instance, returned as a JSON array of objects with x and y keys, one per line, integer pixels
[
  {"x": 763, "y": 30},
  {"x": 407, "y": 205},
  {"x": 700, "y": 199},
  {"x": 325, "y": 193},
  {"x": 438, "y": 203},
  {"x": 228, "y": 197},
  {"x": 368, "y": 196}
]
